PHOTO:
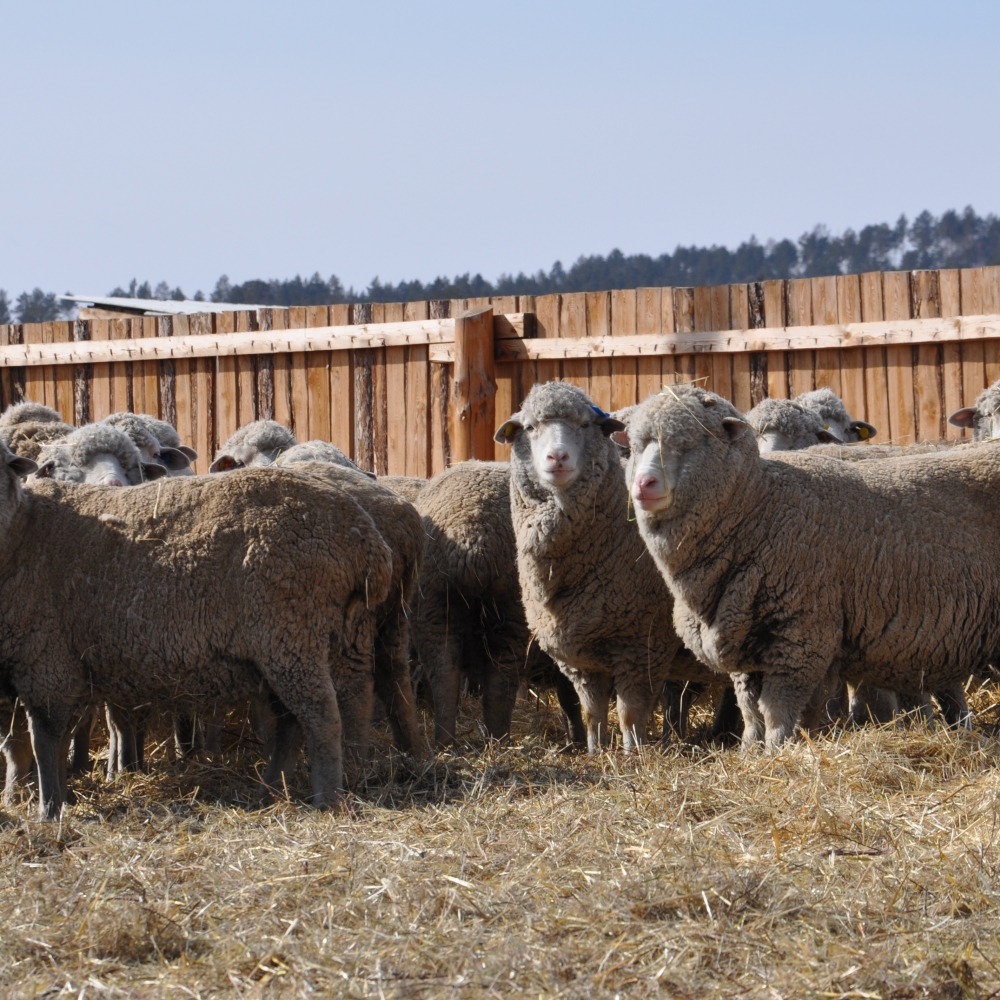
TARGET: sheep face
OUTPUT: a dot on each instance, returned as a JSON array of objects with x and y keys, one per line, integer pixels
[
  {"x": 983, "y": 419},
  {"x": 686, "y": 444},
  {"x": 98, "y": 454},
  {"x": 785, "y": 425},
  {"x": 553, "y": 432},
  {"x": 256, "y": 444},
  {"x": 102, "y": 469}
]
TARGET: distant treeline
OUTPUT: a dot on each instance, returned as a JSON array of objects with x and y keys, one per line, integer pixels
[{"x": 954, "y": 239}]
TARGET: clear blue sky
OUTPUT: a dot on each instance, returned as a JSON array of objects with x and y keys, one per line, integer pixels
[{"x": 177, "y": 141}]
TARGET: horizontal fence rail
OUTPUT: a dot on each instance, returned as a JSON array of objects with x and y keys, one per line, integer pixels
[{"x": 388, "y": 383}]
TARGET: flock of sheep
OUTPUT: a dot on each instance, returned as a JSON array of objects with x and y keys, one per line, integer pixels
[{"x": 653, "y": 554}]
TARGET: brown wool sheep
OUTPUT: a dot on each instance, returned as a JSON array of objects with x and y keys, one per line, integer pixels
[
  {"x": 469, "y": 622},
  {"x": 592, "y": 595},
  {"x": 272, "y": 574},
  {"x": 782, "y": 570},
  {"x": 403, "y": 531}
]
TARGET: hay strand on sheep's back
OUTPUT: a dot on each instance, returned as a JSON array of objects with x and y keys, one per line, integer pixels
[{"x": 862, "y": 864}]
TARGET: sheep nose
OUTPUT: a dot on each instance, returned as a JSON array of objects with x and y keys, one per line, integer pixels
[
  {"x": 647, "y": 481},
  {"x": 111, "y": 480},
  {"x": 558, "y": 456}
]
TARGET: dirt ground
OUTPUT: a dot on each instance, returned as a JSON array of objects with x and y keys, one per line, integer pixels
[{"x": 859, "y": 864}]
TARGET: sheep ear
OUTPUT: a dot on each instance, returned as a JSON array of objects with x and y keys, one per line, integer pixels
[
  {"x": 152, "y": 470},
  {"x": 966, "y": 417},
  {"x": 610, "y": 426},
  {"x": 25, "y": 466},
  {"x": 863, "y": 430},
  {"x": 734, "y": 428},
  {"x": 190, "y": 452},
  {"x": 370, "y": 475},
  {"x": 828, "y": 437},
  {"x": 620, "y": 438},
  {"x": 508, "y": 429},
  {"x": 224, "y": 463},
  {"x": 174, "y": 458}
]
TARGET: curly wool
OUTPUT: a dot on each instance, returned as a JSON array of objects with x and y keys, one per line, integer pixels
[
  {"x": 827, "y": 404},
  {"x": 785, "y": 416},
  {"x": 165, "y": 433},
  {"x": 28, "y": 438},
  {"x": 315, "y": 451},
  {"x": 29, "y": 412},
  {"x": 136, "y": 428}
]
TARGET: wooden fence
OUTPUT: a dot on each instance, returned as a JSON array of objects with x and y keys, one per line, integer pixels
[{"x": 412, "y": 391}]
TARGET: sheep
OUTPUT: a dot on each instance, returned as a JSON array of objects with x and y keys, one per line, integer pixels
[
  {"x": 97, "y": 454},
  {"x": 151, "y": 448},
  {"x": 88, "y": 574},
  {"x": 167, "y": 435},
  {"x": 27, "y": 427},
  {"x": 259, "y": 443},
  {"x": 401, "y": 528},
  {"x": 983, "y": 418},
  {"x": 783, "y": 570},
  {"x": 592, "y": 596},
  {"x": 876, "y": 452},
  {"x": 829, "y": 407},
  {"x": 405, "y": 486},
  {"x": 785, "y": 425},
  {"x": 469, "y": 620}
]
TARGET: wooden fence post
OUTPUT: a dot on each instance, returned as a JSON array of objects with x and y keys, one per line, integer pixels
[{"x": 474, "y": 386}]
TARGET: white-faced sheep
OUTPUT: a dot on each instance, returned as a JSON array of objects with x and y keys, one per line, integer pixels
[
  {"x": 255, "y": 444},
  {"x": 829, "y": 407},
  {"x": 271, "y": 572},
  {"x": 781, "y": 570},
  {"x": 469, "y": 622},
  {"x": 786, "y": 425},
  {"x": 593, "y": 597},
  {"x": 152, "y": 446}
]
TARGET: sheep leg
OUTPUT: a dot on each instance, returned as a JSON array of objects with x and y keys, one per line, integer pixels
[
  {"x": 392, "y": 681},
  {"x": 866, "y": 703},
  {"x": 187, "y": 734},
  {"x": 954, "y": 707},
  {"x": 112, "y": 744},
  {"x": 444, "y": 678},
  {"x": 635, "y": 705},
  {"x": 677, "y": 699},
  {"x": 17, "y": 749},
  {"x": 126, "y": 756},
  {"x": 747, "y": 688},
  {"x": 80, "y": 762},
  {"x": 283, "y": 742},
  {"x": 594, "y": 691},
  {"x": 354, "y": 682},
  {"x": 50, "y": 736},
  {"x": 782, "y": 700},
  {"x": 727, "y": 724},
  {"x": 569, "y": 702},
  {"x": 500, "y": 686}
]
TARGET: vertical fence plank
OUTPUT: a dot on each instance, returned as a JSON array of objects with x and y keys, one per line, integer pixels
[
  {"x": 64, "y": 402},
  {"x": 950, "y": 304},
  {"x": 167, "y": 375},
  {"x": 364, "y": 395},
  {"x": 899, "y": 360},
  {"x": 418, "y": 416},
  {"x": 572, "y": 323},
  {"x": 34, "y": 375},
  {"x": 598, "y": 325},
  {"x": 798, "y": 312},
  {"x": 226, "y": 390},
  {"x": 928, "y": 363},
  {"x": 118, "y": 329},
  {"x": 721, "y": 371},
  {"x": 876, "y": 378},
  {"x": 624, "y": 371},
  {"x": 739, "y": 317},
  {"x": 281, "y": 373},
  {"x": 777, "y": 361},
  {"x": 648, "y": 319},
  {"x": 991, "y": 304},
  {"x": 440, "y": 407},
  {"x": 547, "y": 315},
  {"x": 317, "y": 372},
  {"x": 973, "y": 351},
  {"x": 202, "y": 379},
  {"x": 395, "y": 386},
  {"x": 265, "y": 370},
  {"x": 380, "y": 396},
  {"x": 82, "y": 379},
  {"x": 824, "y": 312},
  {"x": 298, "y": 378},
  {"x": 182, "y": 397},
  {"x": 245, "y": 368},
  {"x": 100, "y": 396},
  {"x": 852, "y": 360},
  {"x": 474, "y": 387}
]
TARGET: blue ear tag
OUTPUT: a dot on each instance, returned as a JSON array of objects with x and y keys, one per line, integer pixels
[{"x": 599, "y": 411}]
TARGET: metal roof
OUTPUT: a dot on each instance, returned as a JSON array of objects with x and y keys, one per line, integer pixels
[{"x": 159, "y": 307}]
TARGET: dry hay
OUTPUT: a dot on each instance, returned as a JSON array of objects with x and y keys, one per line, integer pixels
[{"x": 863, "y": 864}]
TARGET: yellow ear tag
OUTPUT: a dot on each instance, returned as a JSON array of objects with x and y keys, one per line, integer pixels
[
  {"x": 508, "y": 431},
  {"x": 863, "y": 433}
]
